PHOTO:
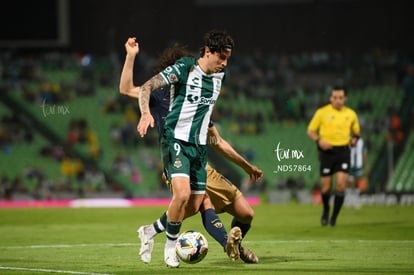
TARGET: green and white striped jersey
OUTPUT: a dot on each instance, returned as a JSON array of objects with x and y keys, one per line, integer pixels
[{"x": 193, "y": 96}]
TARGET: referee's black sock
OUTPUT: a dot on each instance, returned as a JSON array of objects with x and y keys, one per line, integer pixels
[
  {"x": 325, "y": 201},
  {"x": 338, "y": 202},
  {"x": 325, "y": 213}
]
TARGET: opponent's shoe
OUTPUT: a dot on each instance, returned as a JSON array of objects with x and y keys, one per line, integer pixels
[
  {"x": 147, "y": 244},
  {"x": 233, "y": 241},
  {"x": 170, "y": 257},
  {"x": 248, "y": 256}
]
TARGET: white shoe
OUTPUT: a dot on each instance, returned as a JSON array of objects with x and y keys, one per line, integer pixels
[
  {"x": 170, "y": 257},
  {"x": 233, "y": 241},
  {"x": 147, "y": 244}
]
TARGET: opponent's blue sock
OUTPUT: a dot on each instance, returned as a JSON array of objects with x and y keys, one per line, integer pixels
[{"x": 214, "y": 226}]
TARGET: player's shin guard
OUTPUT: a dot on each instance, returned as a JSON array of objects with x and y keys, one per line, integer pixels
[{"x": 214, "y": 226}]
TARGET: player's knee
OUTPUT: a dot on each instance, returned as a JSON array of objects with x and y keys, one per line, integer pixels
[
  {"x": 340, "y": 189},
  {"x": 190, "y": 211},
  {"x": 250, "y": 215},
  {"x": 247, "y": 217},
  {"x": 206, "y": 205},
  {"x": 340, "y": 186},
  {"x": 182, "y": 197}
]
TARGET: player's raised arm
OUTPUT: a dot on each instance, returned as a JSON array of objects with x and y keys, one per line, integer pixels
[{"x": 126, "y": 84}]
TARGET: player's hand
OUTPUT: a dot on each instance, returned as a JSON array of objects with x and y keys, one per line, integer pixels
[
  {"x": 254, "y": 173},
  {"x": 132, "y": 46},
  {"x": 353, "y": 141},
  {"x": 143, "y": 124},
  {"x": 324, "y": 145}
]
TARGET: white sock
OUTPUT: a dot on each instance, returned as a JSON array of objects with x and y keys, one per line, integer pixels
[{"x": 170, "y": 243}]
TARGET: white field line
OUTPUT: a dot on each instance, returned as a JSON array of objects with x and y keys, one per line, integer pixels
[
  {"x": 252, "y": 242},
  {"x": 11, "y": 268},
  {"x": 48, "y": 270},
  {"x": 68, "y": 245}
]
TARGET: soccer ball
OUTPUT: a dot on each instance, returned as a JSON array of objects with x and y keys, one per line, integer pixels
[{"x": 191, "y": 247}]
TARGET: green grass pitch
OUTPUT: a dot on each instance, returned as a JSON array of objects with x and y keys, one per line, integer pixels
[{"x": 287, "y": 238}]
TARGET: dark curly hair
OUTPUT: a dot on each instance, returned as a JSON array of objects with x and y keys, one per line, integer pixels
[
  {"x": 216, "y": 41},
  {"x": 170, "y": 55}
]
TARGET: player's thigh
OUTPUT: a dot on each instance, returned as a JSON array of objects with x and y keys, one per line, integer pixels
[
  {"x": 206, "y": 204},
  {"x": 194, "y": 204},
  {"x": 241, "y": 210},
  {"x": 181, "y": 188},
  {"x": 326, "y": 183},
  {"x": 341, "y": 179}
]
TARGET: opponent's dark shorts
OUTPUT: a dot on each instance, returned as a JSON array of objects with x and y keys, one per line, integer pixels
[{"x": 334, "y": 160}]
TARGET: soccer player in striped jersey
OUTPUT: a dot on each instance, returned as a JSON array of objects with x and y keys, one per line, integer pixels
[
  {"x": 196, "y": 84},
  {"x": 222, "y": 195}
]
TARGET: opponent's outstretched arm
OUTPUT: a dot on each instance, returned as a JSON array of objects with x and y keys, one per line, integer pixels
[{"x": 226, "y": 150}]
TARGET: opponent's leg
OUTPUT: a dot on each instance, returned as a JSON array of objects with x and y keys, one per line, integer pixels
[
  {"x": 243, "y": 215},
  {"x": 212, "y": 222},
  {"x": 215, "y": 228}
]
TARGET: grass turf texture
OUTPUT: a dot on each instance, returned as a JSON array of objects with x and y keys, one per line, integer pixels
[{"x": 287, "y": 238}]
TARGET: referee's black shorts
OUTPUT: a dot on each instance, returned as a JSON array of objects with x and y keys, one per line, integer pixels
[{"x": 334, "y": 160}]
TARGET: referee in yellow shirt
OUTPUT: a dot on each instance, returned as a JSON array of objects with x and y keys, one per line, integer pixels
[{"x": 334, "y": 127}]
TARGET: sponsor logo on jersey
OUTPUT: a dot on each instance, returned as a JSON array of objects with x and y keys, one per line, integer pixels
[{"x": 201, "y": 100}]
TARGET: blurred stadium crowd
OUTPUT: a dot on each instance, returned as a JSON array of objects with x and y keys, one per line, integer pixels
[{"x": 66, "y": 132}]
